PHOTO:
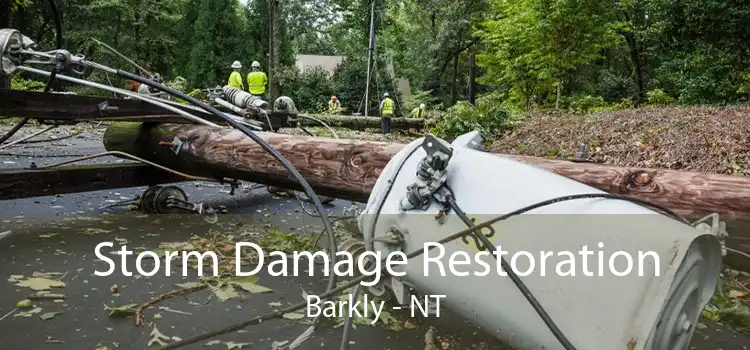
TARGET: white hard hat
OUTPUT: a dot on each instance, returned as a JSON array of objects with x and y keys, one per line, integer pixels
[
  {"x": 385, "y": 94},
  {"x": 421, "y": 106},
  {"x": 255, "y": 64},
  {"x": 236, "y": 64}
]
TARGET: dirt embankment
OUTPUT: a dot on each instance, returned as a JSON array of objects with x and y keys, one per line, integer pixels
[{"x": 703, "y": 139}]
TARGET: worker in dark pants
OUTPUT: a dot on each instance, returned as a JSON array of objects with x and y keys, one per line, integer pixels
[{"x": 386, "y": 113}]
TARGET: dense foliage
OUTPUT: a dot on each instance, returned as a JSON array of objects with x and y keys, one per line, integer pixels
[{"x": 571, "y": 54}]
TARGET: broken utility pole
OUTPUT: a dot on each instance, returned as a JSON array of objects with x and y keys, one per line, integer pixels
[{"x": 348, "y": 169}]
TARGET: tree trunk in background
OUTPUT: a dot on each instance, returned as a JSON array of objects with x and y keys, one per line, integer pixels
[
  {"x": 635, "y": 59},
  {"x": 472, "y": 92},
  {"x": 275, "y": 59},
  {"x": 363, "y": 123},
  {"x": 4, "y": 23},
  {"x": 454, "y": 88}
]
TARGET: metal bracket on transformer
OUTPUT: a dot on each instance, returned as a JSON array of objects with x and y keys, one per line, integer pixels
[
  {"x": 432, "y": 175},
  {"x": 712, "y": 224}
]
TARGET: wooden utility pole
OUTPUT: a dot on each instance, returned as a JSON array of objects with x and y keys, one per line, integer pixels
[
  {"x": 274, "y": 62},
  {"x": 370, "y": 54},
  {"x": 348, "y": 169}
]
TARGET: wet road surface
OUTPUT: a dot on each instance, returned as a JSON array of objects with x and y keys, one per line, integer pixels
[{"x": 59, "y": 234}]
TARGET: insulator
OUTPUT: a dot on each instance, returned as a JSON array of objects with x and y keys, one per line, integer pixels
[{"x": 243, "y": 99}]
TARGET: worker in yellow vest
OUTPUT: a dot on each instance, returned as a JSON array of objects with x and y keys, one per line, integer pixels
[
  {"x": 235, "y": 79},
  {"x": 257, "y": 81},
  {"x": 386, "y": 113},
  {"x": 334, "y": 105},
  {"x": 418, "y": 112}
]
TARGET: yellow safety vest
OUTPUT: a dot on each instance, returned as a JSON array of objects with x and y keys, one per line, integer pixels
[
  {"x": 256, "y": 82},
  {"x": 387, "y": 107},
  {"x": 417, "y": 113},
  {"x": 235, "y": 80}
]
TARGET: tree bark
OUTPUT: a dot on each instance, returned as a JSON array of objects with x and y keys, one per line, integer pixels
[
  {"x": 348, "y": 169},
  {"x": 635, "y": 58},
  {"x": 472, "y": 77},
  {"x": 454, "y": 89}
]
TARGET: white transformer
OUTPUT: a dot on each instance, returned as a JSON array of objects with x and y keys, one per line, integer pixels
[{"x": 678, "y": 264}]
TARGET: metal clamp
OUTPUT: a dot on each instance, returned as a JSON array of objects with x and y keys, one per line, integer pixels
[
  {"x": 104, "y": 108},
  {"x": 431, "y": 174},
  {"x": 176, "y": 145},
  {"x": 716, "y": 227}
]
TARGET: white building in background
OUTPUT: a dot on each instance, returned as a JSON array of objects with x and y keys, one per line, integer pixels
[{"x": 327, "y": 63}]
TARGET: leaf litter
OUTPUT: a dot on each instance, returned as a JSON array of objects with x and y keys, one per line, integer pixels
[
  {"x": 223, "y": 287},
  {"x": 730, "y": 305},
  {"x": 158, "y": 337},
  {"x": 652, "y": 138},
  {"x": 227, "y": 287},
  {"x": 645, "y": 137},
  {"x": 40, "y": 283},
  {"x": 49, "y": 315}
]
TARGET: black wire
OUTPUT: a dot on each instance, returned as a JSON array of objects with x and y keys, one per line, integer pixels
[
  {"x": 521, "y": 286},
  {"x": 48, "y": 86},
  {"x": 273, "y": 152},
  {"x": 355, "y": 293},
  {"x": 418, "y": 252},
  {"x": 564, "y": 341},
  {"x": 58, "y": 24}
]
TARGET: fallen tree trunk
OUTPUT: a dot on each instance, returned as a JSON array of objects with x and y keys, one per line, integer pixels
[
  {"x": 348, "y": 169},
  {"x": 362, "y": 123}
]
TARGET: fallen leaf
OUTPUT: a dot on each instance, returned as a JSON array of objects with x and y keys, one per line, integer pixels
[
  {"x": 121, "y": 310},
  {"x": 15, "y": 278},
  {"x": 91, "y": 231},
  {"x": 103, "y": 347},
  {"x": 176, "y": 246},
  {"x": 50, "y": 340},
  {"x": 737, "y": 293},
  {"x": 51, "y": 275},
  {"x": 24, "y": 304},
  {"x": 29, "y": 313},
  {"x": 225, "y": 292},
  {"x": 274, "y": 304},
  {"x": 48, "y": 235},
  {"x": 293, "y": 316},
  {"x": 49, "y": 315},
  {"x": 189, "y": 285},
  {"x": 232, "y": 345},
  {"x": 37, "y": 283},
  {"x": 158, "y": 338},
  {"x": 700, "y": 325},
  {"x": 160, "y": 252},
  {"x": 248, "y": 284},
  {"x": 212, "y": 343}
]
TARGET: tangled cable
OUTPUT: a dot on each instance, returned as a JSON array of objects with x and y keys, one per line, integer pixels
[{"x": 476, "y": 230}]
